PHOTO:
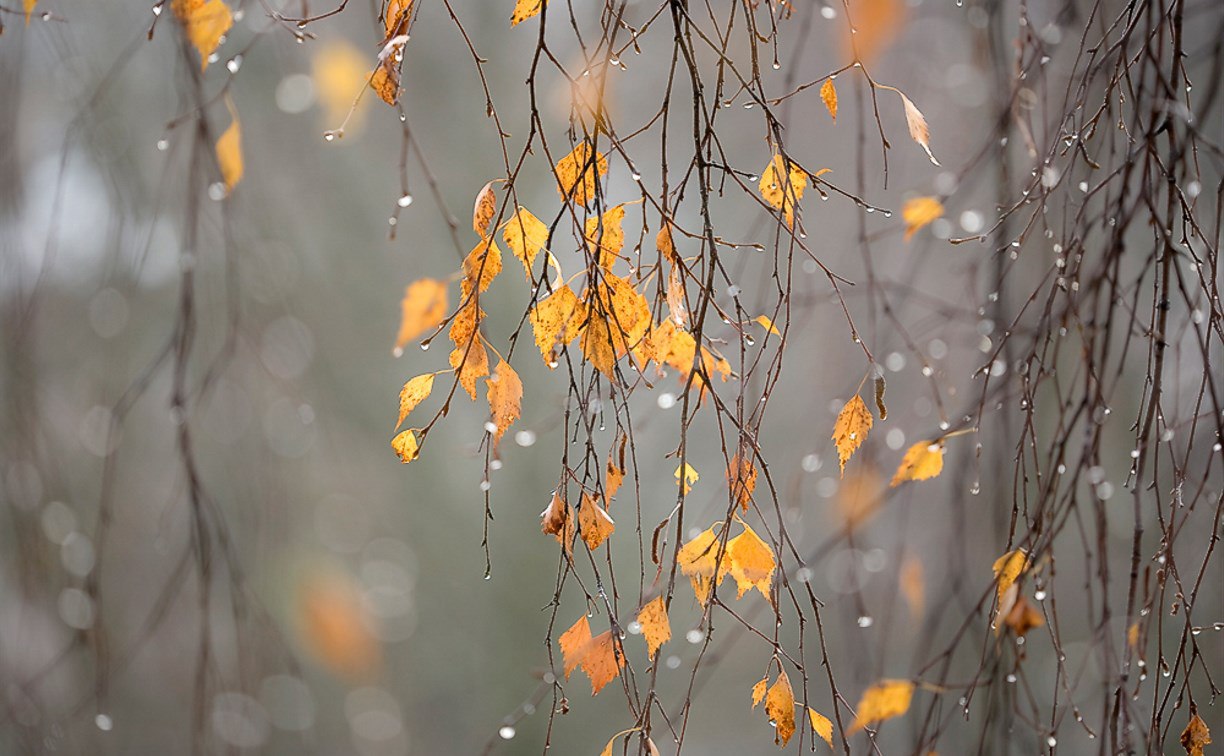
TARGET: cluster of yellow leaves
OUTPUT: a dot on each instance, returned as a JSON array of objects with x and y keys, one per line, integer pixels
[
  {"x": 886, "y": 699},
  {"x": 850, "y": 429},
  {"x": 204, "y": 21},
  {"x": 1196, "y": 736},
  {"x": 333, "y": 626},
  {"x": 923, "y": 460},
  {"x": 600, "y": 657},
  {"x": 523, "y": 10},
  {"x": 656, "y": 628},
  {"x": 747, "y": 559},
  {"x": 782, "y": 185},
  {"x": 920, "y": 211}
]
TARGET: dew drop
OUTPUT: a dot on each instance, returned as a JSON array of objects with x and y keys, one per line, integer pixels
[
  {"x": 233, "y": 64},
  {"x": 865, "y": 621},
  {"x": 506, "y": 733},
  {"x": 163, "y": 145},
  {"x": 103, "y": 721},
  {"x": 404, "y": 201}
]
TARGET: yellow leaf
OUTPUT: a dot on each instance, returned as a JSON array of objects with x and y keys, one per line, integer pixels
[
  {"x": 782, "y": 186},
  {"x": 594, "y": 523},
  {"x": 821, "y": 726},
  {"x": 578, "y": 172},
  {"x": 406, "y": 446},
  {"x": 605, "y": 236},
  {"x": 413, "y": 393},
  {"x": 750, "y": 563},
  {"x": 339, "y": 71},
  {"x": 525, "y": 235},
  {"x": 1196, "y": 736},
  {"x": 615, "y": 470},
  {"x": 334, "y": 627},
  {"x": 917, "y": 126},
  {"x": 665, "y": 244},
  {"x": 505, "y": 394},
  {"x": 741, "y": 476},
  {"x": 482, "y": 264},
  {"x": 758, "y": 691},
  {"x": 686, "y": 476},
  {"x": 697, "y": 559},
  {"x": 923, "y": 460},
  {"x": 396, "y": 18},
  {"x": 484, "y": 210},
  {"x": 1008, "y": 568},
  {"x": 205, "y": 21},
  {"x": 850, "y": 429},
  {"x": 574, "y": 643},
  {"x": 424, "y": 308},
  {"x": 471, "y": 364},
  {"x": 556, "y": 321},
  {"x": 617, "y": 320},
  {"x": 655, "y": 626},
  {"x": 918, "y": 212},
  {"x": 913, "y": 587},
  {"x": 884, "y": 700},
  {"x": 229, "y": 154},
  {"x": 768, "y": 325},
  {"x": 559, "y": 520},
  {"x": 780, "y": 708},
  {"x": 523, "y": 10},
  {"x": 828, "y": 94}
]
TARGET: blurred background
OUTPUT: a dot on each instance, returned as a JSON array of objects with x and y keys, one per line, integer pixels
[{"x": 294, "y": 588}]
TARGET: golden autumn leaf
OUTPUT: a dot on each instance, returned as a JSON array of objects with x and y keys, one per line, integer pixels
[
  {"x": 698, "y": 561},
  {"x": 523, "y": 10},
  {"x": 482, "y": 265},
  {"x": 424, "y": 308},
  {"x": 471, "y": 363},
  {"x": 1196, "y": 736},
  {"x": 484, "y": 210},
  {"x": 617, "y": 320},
  {"x": 466, "y": 322},
  {"x": 560, "y": 520},
  {"x": 1023, "y": 617},
  {"x": 334, "y": 627},
  {"x": 339, "y": 71},
  {"x": 574, "y": 643},
  {"x": 229, "y": 154},
  {"x": 759, "y": 690},
  {"x": 396, "y": 18},
  {"x": 1008, "y": 568},
  {"x": 918, "y": 212},
  {"x": 525, "y": 235},
  {"x": 886, "y": 699},
  {"x": 780, "y": 708},
  {"x": 556, "y": 321},
  {"x": 821, "y": 726},
  {"x": 666, "y": 244},
  {"x": 385, "y": 80},
  {"x": 782, "y": 186},
  {"x": 741, "y": 477},
  {"x": 615, "y": 473},
  {"x": 602, "y": 661},
  {"x": 205, "y": 21},
  {"x": 594, "y": 523},
  {"x": 876, "y": 25},
  {"x": 850, "y": 429},
  {"x": 578, "y": 173},
  {"x": 686, "y": 476},
  {"x": 923, "y": 460},
  {"x": 655, "y": 626},
  {"x": 917, "y": 124},
  {"x": 406, "y": 445},
  {"x": 750, "y": 563},
  {"x": 913, "y": 587},
  {"x": 828, "y": 95},
  {"x": 768, "y": 325},
  {"x": 505, "y": 395},
  {"x": 605, "y": 236},
  {"x": 412, "y": 394},
  {"x": 1132, "y": 635}
]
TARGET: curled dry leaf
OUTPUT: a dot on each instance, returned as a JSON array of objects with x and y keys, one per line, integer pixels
[
  {"x": 768, "y": 325},
  {"x": 923, "y": 460},
  {"x": 1023, "y": 617},
  {"x": 920, "y": 211},
  {"x": 396, "y": 18},
  {"x": 483, "y": 210},
  {"x": 1196, "y": 737},
  {"x": 884, "y": 700},
  {"x": 560, "y": 520},
  {"x": 917, "y": 126},
  {"x": 741, "y": 476},
  {"x": 850, "y": 429},
  {"x": 1008, "y": 569}
]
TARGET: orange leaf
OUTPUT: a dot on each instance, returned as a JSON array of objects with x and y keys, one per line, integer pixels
[
  {"x": 396, "y": 18},
  {"x": 1023, "y": 617},
  {"x": 578, "y": 172},
  {"x": 665, "y": 244},
  {"x": 617, "y": 320},
  {"x": 505, "y": 394},
  {"x": 484, "y": 210},
  {"x": 413, "y": 393},
  {"x": 574, "y": 644},
  {"x": 386, "y": 80},
  {"x": 424, "y": 308},
  {"x": 334, "y": 627},
  {"x": 759, "y": 690},
  {"x": 828, "y": 94},
  {"x": 523, "y": 10},
  {"x": 884, "y": 700},
  {"x": 1196, "y": 736},
  {"x": 594, "y": 523},
  {"x": 850, "y": 429},
  {"x": 876, "y": 25},
  {"x": 742, "y": 475},
  {"x": 782, "y": 186},
  {"x": 525, "y": 235},
  {"x": 605, "y": 236},
  {"x": 406, "y": 445},
  {"x": 615, "y": 470},
  {"x": 482, "y": 264},
  {"x": 205, "y": 21},
  {"x": 750, "y": 563},
  {"x": 780, "y": 708},
  {"x": 556, "y": 321},
  {"x": 559, "y": 520},
  {"x": 655, "y": 626},
  {"x": 918, "y": 212},
  {"x": 923, "y": 460},
  {"x": 697, "y": 559},
  {"x": 28, "y": 7},
  {"x": 602, "y": 661},
  {"x": 471, "y": 364},
  {"x": 821, "y": 726}
]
